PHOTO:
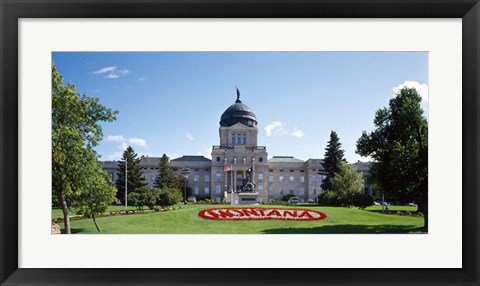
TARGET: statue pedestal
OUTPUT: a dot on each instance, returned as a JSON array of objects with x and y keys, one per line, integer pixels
[{"x": 247, "y": 198}]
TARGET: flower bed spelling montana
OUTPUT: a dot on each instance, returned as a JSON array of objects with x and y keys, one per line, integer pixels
[{"x": 261, "y": 214}]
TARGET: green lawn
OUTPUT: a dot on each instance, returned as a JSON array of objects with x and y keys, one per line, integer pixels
[
  {"x": 186, "y": 220},
  {"x": 57, "y": 213}
]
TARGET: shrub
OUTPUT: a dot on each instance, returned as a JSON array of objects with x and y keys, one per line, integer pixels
[
  {"x": 168, "y": 197},
  {"x": 143, "y": 197},
  {"x": 347, "y": 199},
  {"x": 286, "y": 197}
]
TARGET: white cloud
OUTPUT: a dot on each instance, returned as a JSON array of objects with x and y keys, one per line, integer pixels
[
  {"x": 104, "y": 70},
  {"x": 115, "y": 138},
  {"x": 275, "y": 128},
  {"x": 297, "y": 133},
  {"x": 138, "y": 141},
  {"x": 422, "y": 89},
  {"x": 125, "y": 142},
  {"x": 143, "y": 78},
  {"x": 189, "y": 135},
  {"x": 112, "y": 72}
]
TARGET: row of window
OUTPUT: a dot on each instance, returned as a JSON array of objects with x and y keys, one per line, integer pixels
[
  {"x": 281, "y": 191},
  {"x": 301, "y": 191},
  {"x": 244, "y": 159},
  {"x": 281, "y": 179},
  {"x": 239, "y": 139}
]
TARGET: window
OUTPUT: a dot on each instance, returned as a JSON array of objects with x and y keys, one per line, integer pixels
[
  {"x": 260, "y": 189},
  {"x": 207, "y": 178},
  {"x": 218, "y": 189},
  {"x": 292, "y": 192},
  {"x": 207, "y": 191},
  {"x": 292, "y": 178},
  {"x": 291, "y": 171},
  {"x": 270, "y": 191},
  {"x": 260, "y": 159},
  {"x": 313, "y": 178},
  {"x": 218, "y": 159},
  {"x": 314, "y": 191},
  {"x": 196, "y": 178},
  {"x": 217, "y": 199},
  {"x": 233, "y": 139},
  {"x": 218, "y": 177},
  {"x": 270, "y": 179},
  {"x": 281, "y": 191},
  {"x": 280, "y": 179},
  {"x": 302, "y": 191},
  {"x": 195, "y": 190},
  {"x": 302, "y": 179},
  {"x": 260, "y": 177},
  {"x": 196, "y": 170},
  {"x": 244, "y": 140}
]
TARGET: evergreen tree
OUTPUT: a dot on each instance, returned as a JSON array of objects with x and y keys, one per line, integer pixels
[
  {"x": 166, "y": 178},
  {"x": 333, "y": 159},
  {"x": 399, "y": 149},
  {"x": 135, "y": 178},
  {"x": 75, "y": 131}
]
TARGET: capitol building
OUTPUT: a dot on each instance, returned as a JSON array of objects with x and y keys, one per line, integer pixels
[{"x": 238, "y": 151}]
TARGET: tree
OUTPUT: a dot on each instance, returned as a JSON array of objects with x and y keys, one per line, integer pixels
[
  {"x": 75, "y": 131},
  {"x": 181, "y": 181},
  {"x": 168, "y": 197},
  {"x": 97, "y": 195},
  {"x": 166, "y": 177},
  {"x": 135, "y": 179},
  {"x": 143, "y": 197},
  {"x": 346, "y": 189},
  {"x": 347, "y": 180},
  {"x": 334, "y": 157},
  {"x": 399, "y": 149}
]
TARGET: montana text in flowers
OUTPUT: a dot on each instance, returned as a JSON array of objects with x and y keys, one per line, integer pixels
[{"x": 261, "y": 214}]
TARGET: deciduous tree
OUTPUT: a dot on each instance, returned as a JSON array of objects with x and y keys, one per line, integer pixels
[
  {"x": 97, "y": 194},
  {"x": 399, "y": 149},
  {"x": 75, "y": 131}
]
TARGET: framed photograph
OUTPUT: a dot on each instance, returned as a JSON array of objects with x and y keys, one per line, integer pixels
[{"x": 252, "y": 87}]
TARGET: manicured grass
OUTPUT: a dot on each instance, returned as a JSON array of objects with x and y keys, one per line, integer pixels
[
  {"x": 57, "y": 213},
  {"x": 186, "y": 220}
]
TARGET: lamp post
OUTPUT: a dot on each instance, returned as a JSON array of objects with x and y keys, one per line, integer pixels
[
  {"x": 126, "y": 186},
  {"x": 185, "y": 172}
]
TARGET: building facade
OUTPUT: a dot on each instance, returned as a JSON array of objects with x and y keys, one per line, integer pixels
[{"x": 238, "y": 150}]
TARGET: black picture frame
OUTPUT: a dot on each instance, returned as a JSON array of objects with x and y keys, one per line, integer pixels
[{"x": 11, "y": 11}]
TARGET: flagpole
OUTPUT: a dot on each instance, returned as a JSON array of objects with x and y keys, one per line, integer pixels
[
  {"x": 126, "y": 186},
  {"x": 231, "y": 181}
]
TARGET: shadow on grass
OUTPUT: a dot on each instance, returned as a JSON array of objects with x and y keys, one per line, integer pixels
[
  {"x": 348, "y": 229},
  {"x": 74, "y": 230}
]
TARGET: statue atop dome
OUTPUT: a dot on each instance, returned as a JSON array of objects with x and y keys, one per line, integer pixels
[{"x": 238, "y": 95}]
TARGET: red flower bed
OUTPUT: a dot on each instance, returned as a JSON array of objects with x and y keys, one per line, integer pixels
[{"x": 261, "y": 214}]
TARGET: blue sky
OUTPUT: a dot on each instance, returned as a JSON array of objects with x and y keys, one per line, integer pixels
[{"x": 171, "y": 102}]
